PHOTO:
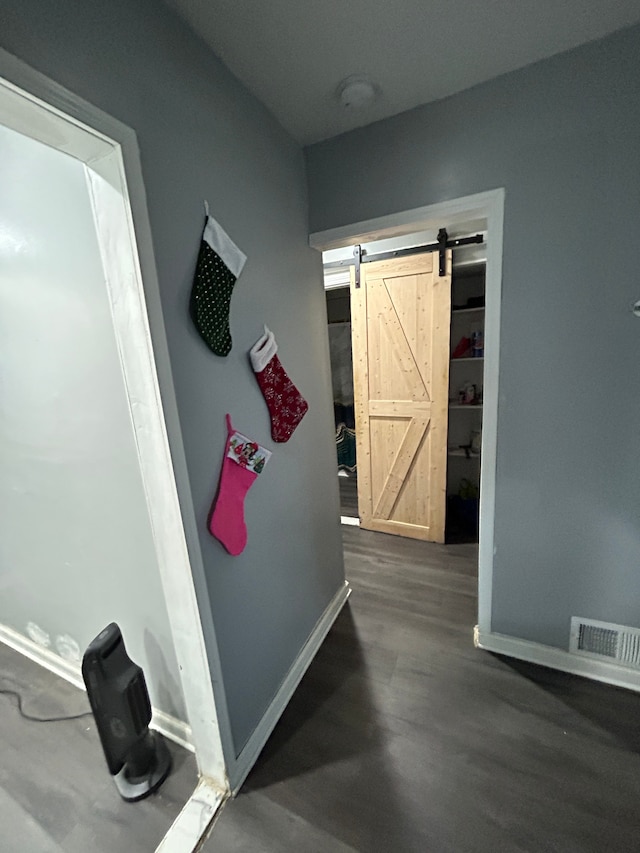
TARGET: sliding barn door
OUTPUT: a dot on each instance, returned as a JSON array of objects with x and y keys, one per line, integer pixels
[{"x": 400, "y": 318}]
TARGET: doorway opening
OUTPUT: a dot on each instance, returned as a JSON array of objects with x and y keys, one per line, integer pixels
[
  {"x": 464, "y": 370},
  {"x": 471, "y": 355},
  {"x": 106, "y": 169},
  {"x": 466, "y": 384},
  {"x": 463, "y": 343}
]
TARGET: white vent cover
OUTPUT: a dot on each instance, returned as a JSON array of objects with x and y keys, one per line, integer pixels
[{"x": 604, "y": 640}]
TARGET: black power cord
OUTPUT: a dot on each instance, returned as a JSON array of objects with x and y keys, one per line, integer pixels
[{"x": 33, "y": 719}]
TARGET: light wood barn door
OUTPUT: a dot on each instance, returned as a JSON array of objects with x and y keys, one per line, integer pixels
[{"x": 400, "y": 316}]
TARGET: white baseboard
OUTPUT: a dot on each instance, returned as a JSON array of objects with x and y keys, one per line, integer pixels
[
  {"x": 69, "y": 670},
  {"x": 192, "y": 826},
  {"x": 258, "y": 739},
  {"x": 597, "y": 670},
  {"x": 347, "y": 519},
  {"x": 171, "y": 727}
]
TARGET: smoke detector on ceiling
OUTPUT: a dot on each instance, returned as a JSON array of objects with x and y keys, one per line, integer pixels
[{"x": 356, "y": 92}]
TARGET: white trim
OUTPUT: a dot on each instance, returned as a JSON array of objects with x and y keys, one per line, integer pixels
[
  {"x": 46, "y": 111},
  {"x": 467, "y": 211},
  {"x": 128, "y": 307},
  {"x": 337, "y": 280},
  {"x": 69, "y": 670},
  {"x": 490, "y": 399},
  {"x": 218, "y": 240},
  {"x": 483, "y": 211},
  {"x": 597, "y": 670},
  {"x": 133, "y": 336},
  {"x": 347, "y": 519},
  {"x": 192, "y": 826},
  {"x": 171, "y": 727},
  {"x": 258, "y": 739},
  {"x": 263, "y": 351}
]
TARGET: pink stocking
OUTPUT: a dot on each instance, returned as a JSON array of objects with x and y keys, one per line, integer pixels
[{"x": 243, "y": 461}]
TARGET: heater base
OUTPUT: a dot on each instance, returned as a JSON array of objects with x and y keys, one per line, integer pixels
[{"x": 136, "y": 784}]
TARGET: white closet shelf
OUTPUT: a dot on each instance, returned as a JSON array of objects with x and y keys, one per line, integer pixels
[
  {"x": 476, "y": 406},
  {"x": 467, "y": 310},
  {"x": 467, "y": 358},
  {"x": 453, "y": 451}
]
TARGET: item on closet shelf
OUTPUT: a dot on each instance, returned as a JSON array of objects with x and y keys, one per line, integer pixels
[
  {"x": 219, "y": 265},
  {"x": 476, "y": 441},
  {"x": 343, "y": 413},
  {"x": 286, "y": 405},
  {"x": 467, "y": 490},
  {"x": 463, "y": 348},
  {"x": 243, "y": 461},
  {"x": 475, "y": 302},
  {"x": 463, "y": 508},
  {"x": 477, "y": 344},
  {"x": 468, "y": 394},
  {"x": 346, "y": 448}
]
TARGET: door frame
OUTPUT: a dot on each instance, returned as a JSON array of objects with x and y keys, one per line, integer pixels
[
  {"x": 37, "y": 107},
  {"x": 482, "y": 211}
]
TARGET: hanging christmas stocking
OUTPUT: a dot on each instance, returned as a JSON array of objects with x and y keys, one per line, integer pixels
[
  {"x": 243, "y": 461},
  {"x": 220, "y": 262},
  {"x": 286, "y": 405}
]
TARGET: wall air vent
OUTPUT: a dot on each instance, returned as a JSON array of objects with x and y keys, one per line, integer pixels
[{"x": 594, "y": 639}]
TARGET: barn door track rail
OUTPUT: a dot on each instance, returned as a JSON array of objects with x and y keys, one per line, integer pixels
[{"x": 443, "y": 243}]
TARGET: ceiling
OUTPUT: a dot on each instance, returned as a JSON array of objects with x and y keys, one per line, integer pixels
[{"x": 292, "y": 54}]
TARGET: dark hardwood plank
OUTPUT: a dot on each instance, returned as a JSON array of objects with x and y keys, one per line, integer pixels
[
  {"x": 403, "y": 737},
  {"x": 55, "y": 790}
]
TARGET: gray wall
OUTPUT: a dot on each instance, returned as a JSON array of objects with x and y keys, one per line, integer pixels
[
  {"x": 202, "y": 135},
  {"x": 563, "y": 138},
  {"x": 74, "y": 525}
]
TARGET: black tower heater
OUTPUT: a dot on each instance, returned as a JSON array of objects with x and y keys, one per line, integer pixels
[{"x": 138, "y": 759}]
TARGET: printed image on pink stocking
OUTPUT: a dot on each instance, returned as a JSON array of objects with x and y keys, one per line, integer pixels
[
  {"x": 286, "y": 405},
  {"x": 243, "y": 461}
]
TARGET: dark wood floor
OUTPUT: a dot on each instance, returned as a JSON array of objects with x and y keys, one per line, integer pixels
[
  {"x": 402, "y": 737},
  {"x": 55, "y": 791}
]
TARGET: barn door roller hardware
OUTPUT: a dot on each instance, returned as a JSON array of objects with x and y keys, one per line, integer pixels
[
  {"x": 442, "y": 252},
  {"x": 445, "y": 243},
  {"x": 357, "y": 260},
  {"x": 360, "y": 256}
]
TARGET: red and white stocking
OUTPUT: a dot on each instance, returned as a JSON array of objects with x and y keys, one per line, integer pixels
[
  {"x": 286, "y": 405},
  {"x": 243, "y": 461}
]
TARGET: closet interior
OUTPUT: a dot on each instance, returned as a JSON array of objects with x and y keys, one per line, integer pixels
[
  {"x": 339, "y": 324},
  {"x": 466, "y": 384}
]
